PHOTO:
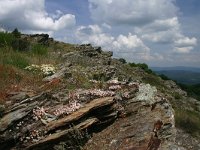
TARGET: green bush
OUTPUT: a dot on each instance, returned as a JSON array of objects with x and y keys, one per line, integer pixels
[
  {"x": 164, "y": 77},
  {"x": 6, "y": 39},
  {"x": 20, "y": 45},
  {"x": 132, "y": 64},
  {"x": 122, "y": 60},
  {"x": 12, "y": 40},
  {"x": 142, "y": 66},
  {"x": 39, "y": 49}
]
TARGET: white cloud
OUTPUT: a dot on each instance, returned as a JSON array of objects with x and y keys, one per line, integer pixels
[
  {"x": 93, "y": 34},
  {"x": 160, "y": 31},
  {"x": 167, "y": 32},
  {"x": 131, "y": 12},
  {"x": 186, "y": 41},
  {"x": 159, "y": 26},
  {"x": 129, "y": 43},
  {"x": 129, "y": 47},
  {"x": 31, "y": 15},
  {"x": 183, "y": 49},
  {"x": 166, "y": 37},
  {"x": 106, "y": 26},
  {"x": 154, "y": 21}
]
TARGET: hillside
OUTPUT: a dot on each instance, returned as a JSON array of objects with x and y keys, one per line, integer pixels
[
  {"x": 55, "y": 95},
  {"x": 181, "y": 68},
  {"x": 182, "y": 76}
]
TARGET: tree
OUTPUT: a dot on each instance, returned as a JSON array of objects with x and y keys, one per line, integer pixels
[
  {"x": 16, "y": 33},
  {"x": 122, "y": 60}
]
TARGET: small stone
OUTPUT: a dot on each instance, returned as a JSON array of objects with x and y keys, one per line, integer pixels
[{"x": 25, "y": 141}]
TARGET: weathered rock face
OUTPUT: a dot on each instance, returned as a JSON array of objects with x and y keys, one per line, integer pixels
[
  {"x": 148, "y": 123},
  {"x": 134, "y": 113}
]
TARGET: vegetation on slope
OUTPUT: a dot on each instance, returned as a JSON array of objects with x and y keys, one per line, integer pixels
[
  {"x": 192, "y": 90},
  {"x": 16, "y": 54}
]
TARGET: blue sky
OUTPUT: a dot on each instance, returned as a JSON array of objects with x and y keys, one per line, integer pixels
[{"x": 157, "y": 32}]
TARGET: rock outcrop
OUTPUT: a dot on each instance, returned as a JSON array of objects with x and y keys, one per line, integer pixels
[
  {"x": 135, "y": 114},
  {"x": 110, "y": 108},
  {"x": 43, "y": 39}
]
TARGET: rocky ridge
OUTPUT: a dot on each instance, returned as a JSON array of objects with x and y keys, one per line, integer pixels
[{"x": 110, "y": 108}]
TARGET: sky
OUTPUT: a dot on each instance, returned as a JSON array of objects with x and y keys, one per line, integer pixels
[{"x": 157, "y": 32}]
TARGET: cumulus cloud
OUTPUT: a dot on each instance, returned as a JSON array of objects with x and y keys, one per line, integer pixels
[
  {"x": 129, "y": 43},
  {"x": 159, "y": 26},
  {"x": 153, "y": 21},
  {"x": 31, "y": 15},
  {"x": 131, "y": 12},
  {"x": 167, "y": 31},
  {"x": 93, "y": 34},
  {"x": 183, "y": 49},
  {"x": 128, "y": 46},
  {"x": 185, "y": 41}
]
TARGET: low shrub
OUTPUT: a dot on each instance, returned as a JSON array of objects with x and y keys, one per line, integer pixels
[
  {"x": 177, "y": 95},
  {"x": 143, "y": 66},
  {"x": 20, "y": 45}
]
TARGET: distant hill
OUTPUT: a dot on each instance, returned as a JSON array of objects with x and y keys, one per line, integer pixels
[
  {"x": 182, "y": 76},
  {"x": 180, "y": 68}
]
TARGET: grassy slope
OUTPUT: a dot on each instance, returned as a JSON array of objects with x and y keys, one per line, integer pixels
[{"x": 13, "y": 76}]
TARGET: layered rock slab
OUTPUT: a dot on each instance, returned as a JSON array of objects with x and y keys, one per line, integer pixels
[{"x": 147, "y": 125}]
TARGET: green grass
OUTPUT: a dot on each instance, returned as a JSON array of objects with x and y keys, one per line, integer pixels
[
  {"x": 188, "y": 120},
  {"x": 14, "y": 58},
  {"x": 154, "y": 80},
  {"x": 38, "y": 49}
]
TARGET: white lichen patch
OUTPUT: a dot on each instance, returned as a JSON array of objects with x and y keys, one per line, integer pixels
[{"x": 146, "y": 93}]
